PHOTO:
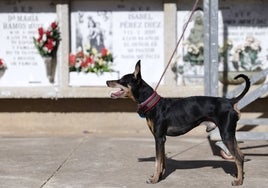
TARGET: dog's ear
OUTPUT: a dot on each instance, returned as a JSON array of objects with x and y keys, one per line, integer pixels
[{"x": 137, "y": 72}]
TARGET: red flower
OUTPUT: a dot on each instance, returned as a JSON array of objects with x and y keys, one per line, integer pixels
[
  {"x": 72, "y": 59},
  {"x": 84, "y": 63},
  {"x": 89, "y": 60},
  {"x": 41, "y": 31},
  {"x": 54, "y": 25},
  {"x": 48, "y": 33},
  {"x": 80, "y": 54},
  {"x": 51, "y": 41},
  {"x": 1, "y": 62},
  {"x": 49, "y": 46},
  {"x": 47, "y": 40},
  {"x": 104, "y": 52}
]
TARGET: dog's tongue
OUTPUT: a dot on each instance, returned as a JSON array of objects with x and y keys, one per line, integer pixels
[{"x": 117, "y": 94}]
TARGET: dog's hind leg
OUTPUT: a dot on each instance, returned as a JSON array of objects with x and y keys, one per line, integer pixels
[
  {"x": 229, "y": 140},
  {"x": 227, "y": 127},
  {"x": 232, "y": 146}
]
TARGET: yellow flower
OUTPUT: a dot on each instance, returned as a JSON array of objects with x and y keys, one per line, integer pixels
[
  {"x": 229, "y": 42},
  {"x": 193, "y": 49},
  {"x": 87, "y": 46},
  {"x": 101, "y": 62},
  {"x": 94, "y": 51}
]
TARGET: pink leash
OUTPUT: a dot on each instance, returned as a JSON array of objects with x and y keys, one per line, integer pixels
[{"x": 184, "y": 29}]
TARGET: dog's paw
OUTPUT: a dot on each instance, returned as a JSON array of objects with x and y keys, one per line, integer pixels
[
  {"x": 153, "y": 179},
  {"x": 237, "y": 182}
]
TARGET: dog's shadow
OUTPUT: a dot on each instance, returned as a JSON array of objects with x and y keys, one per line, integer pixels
[{"x": 173, "y": 165}]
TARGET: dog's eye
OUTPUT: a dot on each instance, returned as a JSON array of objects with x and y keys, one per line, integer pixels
[{"x": 123, "y": 83}]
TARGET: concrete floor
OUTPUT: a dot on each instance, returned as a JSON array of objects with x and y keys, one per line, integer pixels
[
  {"x": 122, "y": 161},
  {"x": 113, "y": 150}
]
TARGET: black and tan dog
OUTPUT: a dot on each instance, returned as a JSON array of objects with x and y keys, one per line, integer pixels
[{"x": 174, "y": 117}]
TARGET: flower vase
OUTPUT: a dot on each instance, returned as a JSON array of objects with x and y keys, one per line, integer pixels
[
  {"x": 228, "y": 77},
  {"x": 2, "y": 72},
  {"x": 91, "y": 79},
  {"x": 50, "y": 64}
]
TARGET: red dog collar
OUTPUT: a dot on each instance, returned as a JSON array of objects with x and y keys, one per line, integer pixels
[{"x": 149, "y": 103}]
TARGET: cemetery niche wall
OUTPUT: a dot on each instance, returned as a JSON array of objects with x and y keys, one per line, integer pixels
[
  {"x": 242, "y": 34},
  {"x": 108, "y": 38},
  {"x": 22, "y": 65},
  {"x": 104, "y": 39}
]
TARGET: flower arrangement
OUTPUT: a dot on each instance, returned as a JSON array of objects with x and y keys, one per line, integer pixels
[
  {"x": 2, "y": 65},
  {"x": 194, "y": 54},
  {"x": 91, "y": 60},
  {"x": 48, "y": 39},
  {"x": 245, "y": 56}
]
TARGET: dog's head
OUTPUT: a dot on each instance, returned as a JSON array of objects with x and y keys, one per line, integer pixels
[{"x": 128, "y": 84}]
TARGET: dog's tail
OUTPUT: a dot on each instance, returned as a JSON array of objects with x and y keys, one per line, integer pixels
[{"x": 239, "y": 97}]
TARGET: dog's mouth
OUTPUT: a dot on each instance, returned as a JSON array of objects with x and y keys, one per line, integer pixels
[
  {"x": 121, "y": 93},
  {"x": 118, "y": 94}
]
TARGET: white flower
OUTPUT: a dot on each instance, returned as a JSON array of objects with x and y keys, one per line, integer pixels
[
  {"x": 44, "y": 38},
  {"x": 45, "y": 49},
  {"x": 87, "y": 46},
  {"x": 236, "y": 57},
  {"x": 186, "y": 43},
  {"x": 255, "y": 45},
  {"x": 200, "y": 45},
  {"x": 250, "y": 39},
  {"x": 84, "y": 69},
  {"x": 36, "y": 36},
  {"x": 239, "y": 49},
  {"x": 78, "y": 63},
  {"x": 79, "y": 49}
]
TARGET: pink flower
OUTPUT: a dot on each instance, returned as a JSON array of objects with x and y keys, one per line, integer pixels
[
  {"x": 72, "y": 60},
  {"x": 104, "y": 52}
]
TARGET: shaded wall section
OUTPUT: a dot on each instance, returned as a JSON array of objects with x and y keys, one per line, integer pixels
[{"x": 92, "y": 105}]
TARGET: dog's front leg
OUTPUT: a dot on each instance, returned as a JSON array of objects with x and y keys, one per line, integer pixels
[{"x": 160, "y": 159}]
